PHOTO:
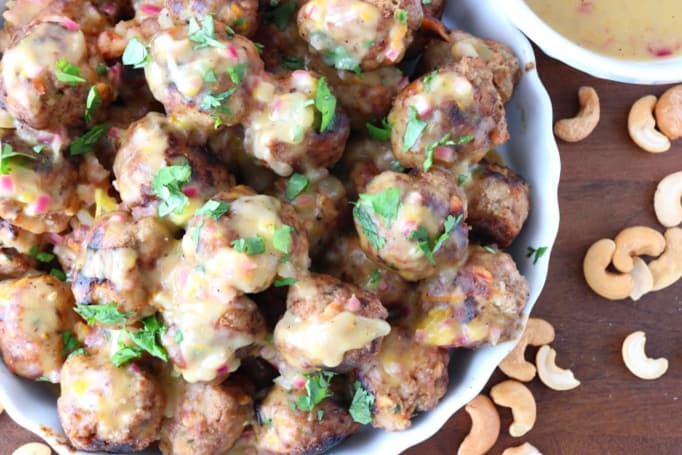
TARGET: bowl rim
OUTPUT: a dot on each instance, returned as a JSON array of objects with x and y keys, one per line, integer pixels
[{"x": 647, "y": 72}]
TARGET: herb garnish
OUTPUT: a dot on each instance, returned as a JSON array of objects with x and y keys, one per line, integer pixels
[
  {"x": 325, "y": 103},
  {"x": 86, "y": 142},
  {"x": 414, "y": 129},
  {"x": 382, "y": 133},
  {"x": 249, "y": 245},
  {"x": 297, "y": 184},
  {"x": 106, "y": 313},
  {"x": 203, "y": 36},
  {"x": 362, "y": 404},
  {"x": 384, "y": 204},
  {"x": 536, "y": 253},
  {"x": 68, "y": 73},
  {"x": 136, "y": 54},
  {"x": 167, "y": 186}
]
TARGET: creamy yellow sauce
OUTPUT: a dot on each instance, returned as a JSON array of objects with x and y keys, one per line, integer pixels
[{"x": 627, "y": 29}]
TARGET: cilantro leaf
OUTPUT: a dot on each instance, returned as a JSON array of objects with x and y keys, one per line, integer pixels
[
  {"x": 249, "y": 245},
  {"x": 237, "y": 72},
  {"x": 401, "y": 16},
  {"x": 106, "y": 313},
  {"x": 362, "y": 405},
  {"x": 178, "y": 336},
  {"x": 536, "y": 253},
  {"x": 136, "y": 54},
  {"x": 374, "y": 277},
  {"x": 297, "y": 184},
  {"x": 427, "y": 80},
  {"x": 339, "y": 58},
  {"x": 209, "y": 76},
  {"x": 421, "y": 236},
  {"x": 490, "y": 249},
  {"x": 325, "y": 103},
  {"x": 58, "y": 273},
  {"x": 69, "y": 343},
  {"x": 79, "y": 351},
  {"x": 68, "y": 73},
  {"x": 385, "y": 203},
  {"x": 281, "y": 239},
  {"x": 102, "y": 69},
  {"x": 292, "y": 63},
  {"x": 216, "y": 100},
  {"x": 125, "y": 354},
  {"x": 203, "y": 36},
  {"x": 86, "y": 142},
  {"x": 368, "y": 227},
  {"x": 284, "y": 282},
  {"x": 382, "y": 133},
  {"x": 214, "y": 209},
  {"x": 167, "y": 186},
  {"x": 317, "y": 389},
  {"x": 146, "y": 338},
  {"x": 443, "y": 141},
  {"x": 461, "y": 179},
  {"x": 7, "y": 152},
  {"x": 414, "y": 129},
  {"x": 450, "y": 224},
  {"x": 259, "y": 47},
  {"x": 280, "y": 15},
  {"x": 92, "y": 103}
]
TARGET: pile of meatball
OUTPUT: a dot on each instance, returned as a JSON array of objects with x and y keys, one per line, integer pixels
[{"x": 250, "y": 225}]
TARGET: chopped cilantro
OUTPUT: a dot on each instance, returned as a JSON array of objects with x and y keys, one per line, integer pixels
[
  {"x": 297, "y": 137},
  {"x": 421, "y": 236},
  {"x": 490, "y": 249},
  {"x": 280, "y": 15},
  {"x": 167, "y": 186},
  {"x": 210, "y": 77},
  {"x": 297, "y": 184},
  {"x": 86, "y": 142},
  {"x": 68, "y": 73},
  {"x": 320, "y": 414},
  {"x": 259, "y": 47},
  {"x": 292, "y": 63},
  {"x": 41, "y": 256},
  {"x": 461, "y": 179},
  {"x": 38, "y": 148},
  {"x": 317, "y": 389},
  {"x": 396, "y": 409},
  {"x": 451, "y": 222},
  {"x": 382, "y": 133},
  {"x": 146, "y": 339},
  {"x": 203, "y": 36},
  {"x": 281, "y": 239},
  {"x": 362, "y": 404},
  {"x": 374, "y": 277},
  {"x": 414, "y": 129},
  {"x": 237, "y": 72},
  {"x": 427, "y": 80},
  {"x": 365, "y": 221},
  {"x": 213, "y": 209},
  {"x": 339, "y": 58},
  {"x": 444, "y": 141},
  {"x": 136, "y": 54},
  {"x": 125, "y": 354},
  {"x": 69, "y": 343},
  {"x": 82, "y": 351},
  {"x": 106, "y": 313},
  {"x": 7, "y": 152},
  {"x": 42, "y": 379},
  {"x": 385, "y": 204},
  {"x": 58, "y": 273},
  {"x": 215, "y": 100},
  {"x": 102, "y": 69},
  {"x": 284, "y": 282},
  {"x": 230, "y": 31},
  {"x": 178, "y": 336},
  {"x": 536, "y": 253},
  {"x": 401, "y": 16},
  {"x": 325, "y": 103},
  {"x": 249, "y": 245},
  {"x": 92, "y": 103}
]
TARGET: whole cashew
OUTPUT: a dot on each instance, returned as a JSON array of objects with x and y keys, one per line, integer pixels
[
  {"x": 524, "y": 449},
  {"x": 579, "y": 127},
  {"x": 513, "y": 394},
  {"x": 485, "y": 427},
  {"x": 642, "y": 279},
  {"x": 33, "y": 448},
  {"x": 668, "y": 200},
  {"x": 636, "y": 241},
  {"x": 608, "y": 285},
  {"x": 537, "y": 333},
  {"x": 636, "y": 360},
  {"x": 550, "y": 374},
  {"x": 669, "y": 112},
  {"x": 667, "y": 269},
  {"x": 642, "y": 126}
]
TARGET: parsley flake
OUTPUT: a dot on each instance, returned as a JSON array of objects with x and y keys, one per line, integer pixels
[
  {"x": 106, "y": 313},
  {"x": 92, "y": 103},
  {"x": 86, "y": 142},
  {"x": 365, "y": 221},
  {"x": 317, "y": 389},
  {"x": 414, "y": 129},
  {"x": 362, "y": 405},
  {"x": 178, "y": 336},
  {"x": 146, "y": 339},
  {"x": 249, "y": 245},
  {"x": 210, "y": 77},
  {"x": 385, "y": 204},
  {"x": 284, "y": 282},
  {"x": 382, "y": 133},
  {"x": 374, "y": 277},
  {"x": 461, "y": 179},
  {"x": 536, "y": 253},
  {"x": 237, "y": 72},
  {"x": 427, "y": 80},
  {"x": 292, "y": 63},
  {"x": 297, "y": 184},
  {"x": 7, "y": 152},
  {"x": 58, "y": 273},
  {"x": 281, "y": 239},
  {"x": 421, "y": 236},
  {"x": 325, "y": 103},
  {"x": 167, "y": 186},
  {"x": 69, "y": 343},
  {"x": 401, "y": 16},
  {"x": 203, "y": 36},
  {"x": 213, "y": 209},
  {"x": 490, "y": 249},
  {"x": 451, "y": 222},
  {"x": 68, "y": 73},
  {"x": 136, "y": 54},
  {"x": 444, "y": 141}
]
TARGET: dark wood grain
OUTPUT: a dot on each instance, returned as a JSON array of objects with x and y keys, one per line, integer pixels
[{"x": 606, "y": 184}]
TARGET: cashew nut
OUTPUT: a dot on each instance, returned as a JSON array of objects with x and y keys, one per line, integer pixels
[
  {"x": 667, "y": 269},
  {"x": 579, "y": 127},
  {"x": 485, "y": 427},
  {"x": 636, "y": 360},
  {"x": 550, "y": 374},
  {"x": 642, "y": 279},
  {"x": 669, "y": 112},
  {"x": 537, "y": 333},
  {"x": 636, "y": 241},
  {"x": 513, "y": 394},
  {"x": 33, "y": 448},
  {"x": 524, "y": 449},
  {"x": 668, "y": 200},
  {"x": 642, "y": 126},
  {"x": 609, "y": 285}
]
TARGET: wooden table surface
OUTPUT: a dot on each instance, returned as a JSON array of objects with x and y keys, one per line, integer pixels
[{"x": 607, "y": 184}]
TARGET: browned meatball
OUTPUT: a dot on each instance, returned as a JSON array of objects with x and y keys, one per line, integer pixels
[
  {"x": 114, "y": 264},
  {"x": 329, "y": 324},
  {"x": 283, "y": 48},
  {"x": 319, "y": 205},
  {"x": 479, "y": 303},
  {"x": 498, "y": 203},
  {"x": 254, "y": 240},
  {"x": 359, "y": 34},
  {"x": 105, "y": 408},
  {"x": 451, "y": 116},
  {"x": 35, "y": 311},
  {"x": 346, "y": 260},
  {"x": 364, "y": 159},
  {"x": 284, "y": 131},
  {"x": 405, "y": 378},
  {"x": 202, "y": 86},
  {"x": 286, "y": 430},
  {"x": 241, "y": 15},
  {"x": 46, "y": 74},
  {"x": 412, "y": 223},
  {"x": 498, "y": 57},
  {"x": 152, "y": 144},
  {"x": 207, "y": 420}
]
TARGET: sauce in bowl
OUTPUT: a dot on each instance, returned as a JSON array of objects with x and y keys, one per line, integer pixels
[{"x": 626, "y": 29}]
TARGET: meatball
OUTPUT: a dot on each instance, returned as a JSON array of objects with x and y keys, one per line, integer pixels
[
  {"x": 451, "y": 116},
  {"x": 202, "y": 86},
  {"x": 152, "y": 144},
  {"x": 412, "y": 223},
  {"x": 114, "y": 264},
  {"x": 287, "y": 430},
  {"x": 283, "y": 48},
  {"x": 498, "y": 57},
  {"x": 208, "y": 321},
  {"x": 346, "y": 260},
  {"x": 498, "y": 203},
  {"x": 37, "y": 193},
  {"x": 364, "y": 159},
  {"x": 286, "y": 130},
  {"x": 35, "y": 312},
  {"x": 319, "y": 204},
  {"x": 241, "y": 15},
  {"x": 46, "y": 74},
  {"x": 255, "y": 239},
  {"x": 405, "y": 378},
  {"x": 90, "y": 17},
  {"x": 330, "y": 324},
  {"x": 105, "y": 408},
  {"x": 481, "y": 302},
  {"x": 359, "y": 34},
  {"x": 207, "y": 420}
]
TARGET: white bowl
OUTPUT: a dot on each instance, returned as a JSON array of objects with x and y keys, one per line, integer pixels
[
  {"x": 532, "y": 152},
  {"x": 663, "y": 71}
]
